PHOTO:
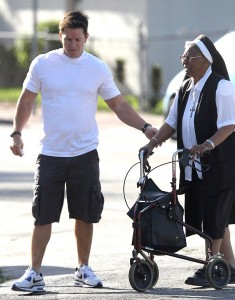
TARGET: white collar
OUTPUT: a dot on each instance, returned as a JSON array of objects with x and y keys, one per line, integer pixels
[{"x": 200, "y": 84}]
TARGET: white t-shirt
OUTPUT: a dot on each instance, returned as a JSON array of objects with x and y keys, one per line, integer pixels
[{"x": 69, "y": 90}]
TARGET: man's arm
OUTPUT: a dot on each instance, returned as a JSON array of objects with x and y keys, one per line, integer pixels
[
  {"x": 128, "y": 115},
  {"x": 23, "y": 111}
]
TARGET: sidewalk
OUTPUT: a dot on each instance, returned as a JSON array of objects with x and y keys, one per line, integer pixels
[{"x": 111, "y": 249}]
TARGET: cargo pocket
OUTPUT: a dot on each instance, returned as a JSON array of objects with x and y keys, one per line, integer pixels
[
  {"x": 36, "y": 203},
  {"x": 96, "y": 204}
]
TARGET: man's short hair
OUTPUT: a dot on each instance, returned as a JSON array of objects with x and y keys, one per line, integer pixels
[{"x": 74, "y": 19}]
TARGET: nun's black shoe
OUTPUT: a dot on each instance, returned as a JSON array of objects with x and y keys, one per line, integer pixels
[{"x": 198, "y": 279}]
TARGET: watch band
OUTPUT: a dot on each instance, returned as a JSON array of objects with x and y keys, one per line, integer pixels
[
  {"x": 145, "y": 127},
  {"x": 14, "y": 133}
]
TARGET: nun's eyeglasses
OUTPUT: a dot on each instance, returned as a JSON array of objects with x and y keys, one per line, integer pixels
[{"x": 188, "y": 58}]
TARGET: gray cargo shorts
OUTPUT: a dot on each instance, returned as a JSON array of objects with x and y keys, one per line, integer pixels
[{"x": 79, "y": 176}]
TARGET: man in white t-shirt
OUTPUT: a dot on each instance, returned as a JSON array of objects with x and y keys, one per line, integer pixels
[{"x": 69, "y": 80}]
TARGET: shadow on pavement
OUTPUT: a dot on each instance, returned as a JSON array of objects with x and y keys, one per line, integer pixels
[
  {"x": 9, "y": 190},
  {"x": 16, "y": 177},
  {"x": 194, "y": 293},
  {"x": 6, "y": 122},
  {"x": 112, "y": 289},
  {"x": 19, "y": 195},
  {"x": 14, "y": 272}
]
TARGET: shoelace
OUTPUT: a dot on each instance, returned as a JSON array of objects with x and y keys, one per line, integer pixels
[{"x": 89, "y": 272}]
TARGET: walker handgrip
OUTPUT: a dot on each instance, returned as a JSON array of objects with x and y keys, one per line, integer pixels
[
  {"x": 185, "y": 151},
  {"x": 186, "y": 157},
  {"x": 142, "y": 153},
  {"x": 144, "y": 167}
]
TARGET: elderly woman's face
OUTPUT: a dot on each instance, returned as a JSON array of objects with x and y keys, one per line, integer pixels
[{"x": 192, "y": 60}]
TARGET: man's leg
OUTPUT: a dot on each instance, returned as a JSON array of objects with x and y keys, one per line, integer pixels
[
  {"x": 40, "y": 238},
  {"x": 85, "y": 200},
  {"x": 32, "y": 280},
  {"x": 84, "y": 274},
  {"x": 83, "y": 234}
]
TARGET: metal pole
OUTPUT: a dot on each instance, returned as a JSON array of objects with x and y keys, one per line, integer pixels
[
  {"x": 143, "y": 71},
  {"x": 34, "y": 46}
]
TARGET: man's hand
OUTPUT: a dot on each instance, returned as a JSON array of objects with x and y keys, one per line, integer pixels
[
  {"x": 150, "y": 132},
  {"x": 17, "y": 145}
]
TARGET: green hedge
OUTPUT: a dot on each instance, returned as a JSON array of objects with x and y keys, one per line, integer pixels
[{"x": 10, "y": 95}]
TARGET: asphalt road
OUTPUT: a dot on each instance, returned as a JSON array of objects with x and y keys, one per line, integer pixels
[{"x": 111, "y": 249}]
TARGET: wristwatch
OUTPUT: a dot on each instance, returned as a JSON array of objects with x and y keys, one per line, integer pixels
[
  {"x": 14, "y": 133},
  {"x": 146, "y": 125}
]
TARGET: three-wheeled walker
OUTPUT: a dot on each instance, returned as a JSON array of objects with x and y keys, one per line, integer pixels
[{"x": 158, "y": 229}]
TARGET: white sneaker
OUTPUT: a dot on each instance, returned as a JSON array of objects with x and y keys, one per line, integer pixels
[
  {"x": 31, "y": 281},
  {"x": 85, "y": 276}
]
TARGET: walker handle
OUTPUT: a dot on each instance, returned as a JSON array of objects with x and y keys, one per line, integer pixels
[
  {"x": 142, "y": 154},
  {"x": 186, "y": 156}
]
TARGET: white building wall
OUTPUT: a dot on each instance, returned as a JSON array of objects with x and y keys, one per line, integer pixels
[
  {"x": 114, "y": 29},
  {"x": 172, "y": 22},
  {"x": 114, "y": 34},
  {"x": 19, "y": 15}
]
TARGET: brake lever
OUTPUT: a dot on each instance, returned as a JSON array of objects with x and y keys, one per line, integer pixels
[{"x": 186, "y": 157}]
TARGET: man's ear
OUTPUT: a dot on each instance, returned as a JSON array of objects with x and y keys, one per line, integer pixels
[
  {"x": 87, "y": 35},
  {"x": 60, "y": 36}
]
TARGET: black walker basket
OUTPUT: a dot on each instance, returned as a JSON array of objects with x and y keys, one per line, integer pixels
[{"x": 158, "y": 229}]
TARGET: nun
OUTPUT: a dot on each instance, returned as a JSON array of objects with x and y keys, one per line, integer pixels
[{"x": 203, "y": 115}]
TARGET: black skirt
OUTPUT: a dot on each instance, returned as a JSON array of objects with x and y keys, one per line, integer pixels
[{"x": 209, "y": 213}]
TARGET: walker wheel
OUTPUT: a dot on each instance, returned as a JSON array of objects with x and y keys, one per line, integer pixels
[
  {"x": 155, "y": 275},
  {"x": 218, "y": 273},
  {"x": 141, "y": 275}
]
